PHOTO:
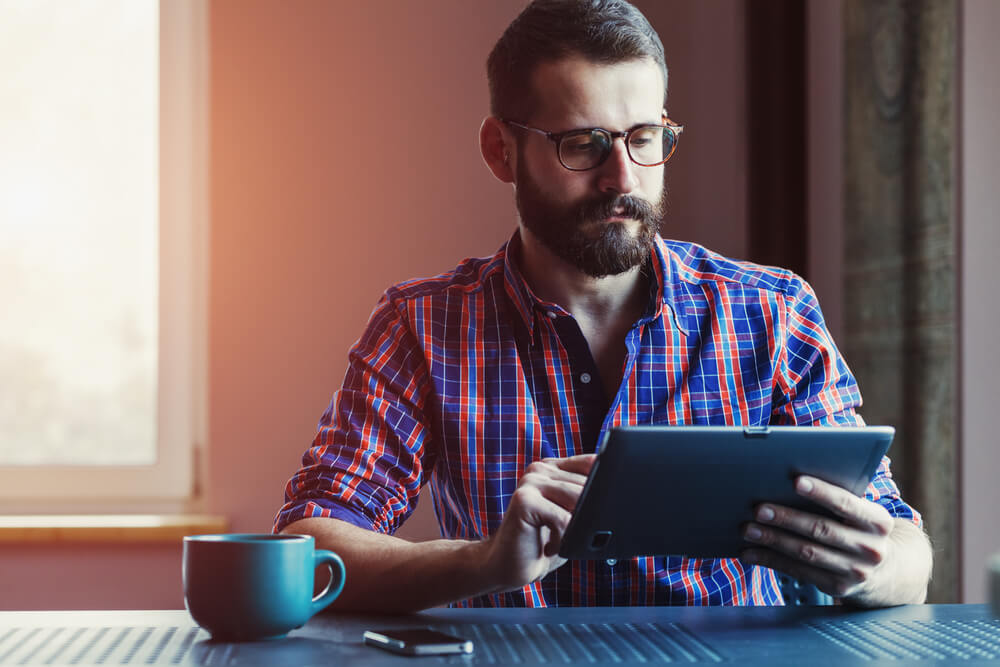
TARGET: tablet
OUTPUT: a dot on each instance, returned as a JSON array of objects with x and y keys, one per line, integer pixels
[{"x": 689, "y": 490}]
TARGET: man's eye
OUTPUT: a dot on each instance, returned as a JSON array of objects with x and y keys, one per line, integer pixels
[
  {"x": 645, "y": 136},
  {"x": 580, "y": 145}
]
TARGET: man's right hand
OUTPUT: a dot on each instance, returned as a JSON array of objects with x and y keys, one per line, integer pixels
[
  {"x": 387, "y": 574},
  {"x": 526, "y": 546}
]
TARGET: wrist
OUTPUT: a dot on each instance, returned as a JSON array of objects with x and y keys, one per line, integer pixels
[
  {"x": 902, "y": 576},
  {"x": 471, "y": 568},
  {"x": 876, "y": 591},
  {"x": 484, "y": 556}
]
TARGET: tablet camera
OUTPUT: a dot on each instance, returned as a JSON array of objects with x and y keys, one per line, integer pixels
[{"x": 600, "y": 539}]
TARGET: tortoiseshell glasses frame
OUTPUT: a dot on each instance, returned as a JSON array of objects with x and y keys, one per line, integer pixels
[{"x": 583, "y": 149}]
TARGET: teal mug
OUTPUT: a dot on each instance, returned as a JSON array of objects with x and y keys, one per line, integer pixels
[{"x": 243, "y": 587}]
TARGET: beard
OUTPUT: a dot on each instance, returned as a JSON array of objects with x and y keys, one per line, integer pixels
[{"x": 564, "y": 229}]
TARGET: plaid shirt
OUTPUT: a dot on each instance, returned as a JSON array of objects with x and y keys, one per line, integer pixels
[{"x": 462, "y": 380}]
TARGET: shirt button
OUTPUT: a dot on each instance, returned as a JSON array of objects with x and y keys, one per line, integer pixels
[
  {"x": 611, "y": 562},
  {"x": 551, "y": 314},
  {"x": 585, "y": 378}
]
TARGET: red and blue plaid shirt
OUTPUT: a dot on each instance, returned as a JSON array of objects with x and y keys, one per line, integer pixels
[{"x": 461, "y": 381}]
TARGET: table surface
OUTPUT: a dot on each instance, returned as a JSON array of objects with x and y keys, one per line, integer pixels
[{"x": 817, "y": 636}]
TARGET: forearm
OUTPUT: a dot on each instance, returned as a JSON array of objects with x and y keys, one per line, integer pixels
[
  {"x": 389, "y": 574},
  {"x": 903, "y": 576}
]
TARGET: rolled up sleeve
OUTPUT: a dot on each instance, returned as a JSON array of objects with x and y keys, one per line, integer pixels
[{"x": 367, "y": 462}]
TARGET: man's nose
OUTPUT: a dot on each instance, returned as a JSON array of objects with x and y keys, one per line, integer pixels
[{"x": 618, "y": 171}]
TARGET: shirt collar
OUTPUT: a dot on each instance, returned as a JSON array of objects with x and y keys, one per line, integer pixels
[
  {"x": 670, "y": 284},
  {"x": 524, "y": 300},
  {"x": 666, "y": 285}
]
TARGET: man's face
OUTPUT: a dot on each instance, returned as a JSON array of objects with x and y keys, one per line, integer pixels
[{"x": 601, "y": 221}]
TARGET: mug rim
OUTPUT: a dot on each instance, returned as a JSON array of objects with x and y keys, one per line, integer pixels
[{"x": 249, "y": 538}]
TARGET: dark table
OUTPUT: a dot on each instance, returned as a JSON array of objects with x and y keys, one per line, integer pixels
[{"x": 812, "y": 636}]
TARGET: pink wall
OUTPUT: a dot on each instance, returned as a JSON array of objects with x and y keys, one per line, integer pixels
[
  {"x": 345, "y": 158},
  {"x": 91, "y": 576}
]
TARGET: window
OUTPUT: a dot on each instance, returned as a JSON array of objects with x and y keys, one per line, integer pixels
[{"x": 102, "y": 251}]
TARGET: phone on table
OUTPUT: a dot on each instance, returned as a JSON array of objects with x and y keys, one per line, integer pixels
[{"x": 417, "y": 641}]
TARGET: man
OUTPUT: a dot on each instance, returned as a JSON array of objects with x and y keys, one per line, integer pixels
[{"x": 493, "y": 383}]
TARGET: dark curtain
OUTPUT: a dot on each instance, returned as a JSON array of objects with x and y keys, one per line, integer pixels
[
  {"x": 776, "y": 134},
  {"x": 900, "y": 301}
]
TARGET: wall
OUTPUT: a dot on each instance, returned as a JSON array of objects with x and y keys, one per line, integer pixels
[
  {"x": 344, "y": 158},
  {"x": 980, "y": 307}
]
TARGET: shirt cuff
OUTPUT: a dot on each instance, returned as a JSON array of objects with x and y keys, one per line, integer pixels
[{"x": 293, "y": 512}]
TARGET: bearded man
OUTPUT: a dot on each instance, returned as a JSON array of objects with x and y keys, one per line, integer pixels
[{"x": 494, "y": 382}]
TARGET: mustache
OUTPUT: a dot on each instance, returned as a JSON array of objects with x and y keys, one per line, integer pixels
[{"x": 626, "y": 205}]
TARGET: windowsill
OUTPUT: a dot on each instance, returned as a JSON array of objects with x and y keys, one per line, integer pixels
[{"x": 59, "y": 528}]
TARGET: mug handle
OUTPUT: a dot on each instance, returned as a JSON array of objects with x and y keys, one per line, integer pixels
[{"x": 337, "y": 577}]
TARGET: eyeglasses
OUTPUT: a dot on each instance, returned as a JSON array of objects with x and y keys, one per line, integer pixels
[{"x": 580, "y": 150}]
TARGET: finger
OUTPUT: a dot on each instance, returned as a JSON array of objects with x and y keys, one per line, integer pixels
[
  {"x": 564, "y": 494},
  {"x": 550, "y": 521},
  {"x": 537, "y": 508},
  {"x": 857, "y": 511},
  {"x": 546, "y": 470},
  {"x": 804, "y": 550},
  {"x": 579, "y": 464},
  {"x": 563, "y": 491},
  {"x": 837, "y": 585},
  {"x": 818, "y": 529},
  {"x": 550, "y": 541}
]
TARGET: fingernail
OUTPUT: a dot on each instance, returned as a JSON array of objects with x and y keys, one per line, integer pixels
[
  {"x": 753, "y": 533},
  {"x": 805, "y": 485},
  {"x": 765, "y": 514}
]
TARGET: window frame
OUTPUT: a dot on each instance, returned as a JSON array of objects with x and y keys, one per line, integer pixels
[{"x": 171, "y": 483}]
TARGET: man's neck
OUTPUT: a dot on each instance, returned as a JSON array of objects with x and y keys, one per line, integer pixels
[{"x": 610, "y": 300}]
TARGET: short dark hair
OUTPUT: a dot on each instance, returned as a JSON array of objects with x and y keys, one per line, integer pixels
[{"x": 602, "y": 31}]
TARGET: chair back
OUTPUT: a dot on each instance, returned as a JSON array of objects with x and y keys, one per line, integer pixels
[{"x": 798, "y": 594}]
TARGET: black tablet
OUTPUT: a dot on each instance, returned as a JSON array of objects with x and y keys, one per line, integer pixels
[{"x": 689, "y": 490}]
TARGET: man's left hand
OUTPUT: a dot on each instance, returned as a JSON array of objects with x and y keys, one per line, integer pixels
[{"x": 843, "y": 556}]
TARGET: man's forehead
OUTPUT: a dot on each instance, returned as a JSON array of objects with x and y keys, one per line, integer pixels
[{"x": 578, "y": 91}]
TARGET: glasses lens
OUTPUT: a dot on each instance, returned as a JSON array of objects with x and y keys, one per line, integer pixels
[
  {"x": 650, "y": 144},
  {"x": 585, "y": 149}
]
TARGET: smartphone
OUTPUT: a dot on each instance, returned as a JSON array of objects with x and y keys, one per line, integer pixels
[{"x": 417, "y": 641}]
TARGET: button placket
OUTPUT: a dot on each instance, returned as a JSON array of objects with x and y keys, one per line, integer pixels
[{"x": 591, "y": 402}]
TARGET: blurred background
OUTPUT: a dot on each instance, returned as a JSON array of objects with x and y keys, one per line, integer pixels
[{"x": 853, "y": 142}]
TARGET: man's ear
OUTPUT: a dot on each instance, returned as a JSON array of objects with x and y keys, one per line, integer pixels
[{"x": 497, "y": 147}]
